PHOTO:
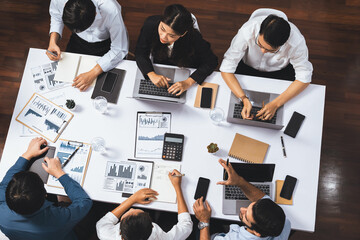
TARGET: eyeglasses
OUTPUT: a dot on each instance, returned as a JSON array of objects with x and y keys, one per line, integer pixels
[{"x": 261, "y": 46}]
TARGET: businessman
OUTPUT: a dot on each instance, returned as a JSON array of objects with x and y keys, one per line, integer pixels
[
  {"x": 25, "y": 212},
  {"x": 262, "y": 219},
  {"x": 97, "y": 29}
]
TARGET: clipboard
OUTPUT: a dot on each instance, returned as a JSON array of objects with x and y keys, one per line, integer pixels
[
  {"x": 150, "y": 130},
  {"x": 78, "y": 165},
  {"x": 44, "y": 117}
]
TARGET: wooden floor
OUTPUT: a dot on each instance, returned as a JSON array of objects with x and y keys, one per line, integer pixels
[{"x": 332, "y": 31}]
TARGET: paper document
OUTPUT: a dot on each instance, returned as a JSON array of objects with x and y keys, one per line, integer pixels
[
  {"x": 43, "y": 77},
  {"x": 71, "y": 65},
  {"x": 127, "y": 176},
  {"x": 161, "y": 182},
  {"x": 77, "y": 166}
]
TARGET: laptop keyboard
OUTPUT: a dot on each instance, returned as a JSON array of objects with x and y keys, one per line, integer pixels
[
  {"x": 238, "y": 108},
  {"x": 235, "y": 193},
  {"x": 147, "y": 87}
]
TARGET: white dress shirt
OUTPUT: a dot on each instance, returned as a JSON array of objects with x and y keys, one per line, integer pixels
[
  {"x": 243, "y": 46},
  {"x": 108, "y": 23},
  {"x": 108, "y": 228}
]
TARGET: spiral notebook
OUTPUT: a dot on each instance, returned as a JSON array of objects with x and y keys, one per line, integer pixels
[{"x": 248, "y": 149}]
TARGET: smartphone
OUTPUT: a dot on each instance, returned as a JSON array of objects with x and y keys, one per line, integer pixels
[
  {"x": 206, "y": 96},
  {"x": 294, "y": 124},
  {"x": 288, "y": 187},
  {"x": 202, "y": 188},
  {"x": 109, "y": 82}
]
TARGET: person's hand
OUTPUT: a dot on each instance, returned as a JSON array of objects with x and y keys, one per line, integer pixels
[
  {"x": 159, "y": 80},
  {"x": 34, "y": 148},
  {"x": 144, "y": 196},
  {"x": 84, "y": 80},
  {"x": 54, "y": 48},
  {"x": 176, "y": 181},
  {"x": 245, "y": 113},
  {"x": 202, "y": 210},
  {"x": 180, "y": 87},
  {"x": 233, "y": 177},
  {"x": 53, "y": 167},
  {"x": 268, "y": 111}
]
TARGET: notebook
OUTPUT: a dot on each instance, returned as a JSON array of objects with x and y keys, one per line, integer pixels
[
  {"x": 248, "y": 149},
  {"x": 71, "y": 65},
  {"x": 278, "y": 199}
]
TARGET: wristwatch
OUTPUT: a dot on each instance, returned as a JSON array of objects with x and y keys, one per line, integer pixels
[
  {"x": 202, "y": 225},
  {"x": 243, "y": 97}
]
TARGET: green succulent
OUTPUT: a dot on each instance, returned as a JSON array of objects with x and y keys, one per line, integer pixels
[{"x": 212, "y": 148}]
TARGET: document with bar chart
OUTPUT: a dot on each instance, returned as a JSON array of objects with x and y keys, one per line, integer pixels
[
  {"x": 127, "y": 176},
  {"x": 77, "y": 166},
  {"x": 150, "y": 130},
  {"x": 44, "y": 117}
]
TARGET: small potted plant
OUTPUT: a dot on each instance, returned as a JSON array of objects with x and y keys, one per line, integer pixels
[
  {"x": 70, "y": 104},
  {"x": 212, "y": 148}
]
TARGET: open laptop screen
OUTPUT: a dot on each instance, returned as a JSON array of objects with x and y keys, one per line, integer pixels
[{"x": 255, "y": 172}]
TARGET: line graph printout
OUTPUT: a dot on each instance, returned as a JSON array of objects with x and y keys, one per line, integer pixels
[
  {"x": 44, "y": 117},
  {"x": 127, "y": 176},
  {"x": 150, "y": 131},
  {"x": 77, "y": 166}
]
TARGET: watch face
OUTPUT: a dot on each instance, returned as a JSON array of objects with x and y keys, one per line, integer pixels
[{"x": 201, "y": 225}]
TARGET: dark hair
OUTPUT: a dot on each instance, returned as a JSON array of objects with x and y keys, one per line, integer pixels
[
  {"x": 25, "y": 193},
  {"x": 269, "y": 218},
  {"x": 179, "y": 19},
  {"x": 136, "y": 227},
  {"x": 276, "y": 30},
  {"x": 78, "y": 15}
]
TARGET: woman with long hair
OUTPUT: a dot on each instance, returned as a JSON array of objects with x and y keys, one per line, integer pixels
[{"x": 172, "y": 39}]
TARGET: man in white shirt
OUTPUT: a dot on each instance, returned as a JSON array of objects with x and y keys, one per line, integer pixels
[
  {"x": 136, "y": 224},
  {"x": 97, "y": 29},
  {"x": 263, "y": 219},
  {"x": 267, "y": 46}
]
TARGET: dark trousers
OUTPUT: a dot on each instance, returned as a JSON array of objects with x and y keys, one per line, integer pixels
[
  {"x": 287, "y": 73},
  {"x": 79, "y": 45}
]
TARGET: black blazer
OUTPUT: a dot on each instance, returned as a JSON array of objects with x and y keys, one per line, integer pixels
[{"x": 204, "y": 60}]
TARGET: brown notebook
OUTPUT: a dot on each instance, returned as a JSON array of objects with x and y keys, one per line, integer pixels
[
  {"x": 248, "y": 149},
  {"x": 278, "y": 199}
]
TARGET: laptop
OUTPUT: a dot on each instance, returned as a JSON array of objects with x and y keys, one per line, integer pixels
[
  {"x": 257, "y": 99},
  {"x": 144, "y": 89},
  {"x": 260, "y": 175}
]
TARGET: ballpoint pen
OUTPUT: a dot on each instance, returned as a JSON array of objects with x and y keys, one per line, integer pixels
[
  {"x": 225, "y": 172},
  {"x": 54, "y": 54},
  {"x": 179, "y": 175},
  {"x": 69, "y": 158},
  {"x": 283, "y": 146}
]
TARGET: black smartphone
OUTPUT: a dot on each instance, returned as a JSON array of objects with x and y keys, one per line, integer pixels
[
  {"x": 294, "y": 124},
  {"x": 109, "y": 82},
  {"x": 202, "y": 188},
  {"x": 206, "y": 96},
  {"x": 288, "y": 187}
]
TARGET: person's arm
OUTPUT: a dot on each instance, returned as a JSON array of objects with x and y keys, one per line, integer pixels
[
  {"x": 268, "y": 111},
  {"x": 207, "y": 64},
  {"x": 250, "y": 191},
  {"x": 56, "y": 28},
  {"x": 80, "y": 201},
  {"x": 203, "y": 213},
  {"x": 175, "y": 178},
  {"x": 84, "y": 80},
  {"x": 236, "y": 88},
  {"x": 33, "y": 150}
]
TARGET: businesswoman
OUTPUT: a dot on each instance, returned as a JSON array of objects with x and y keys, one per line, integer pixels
[{"x": 172, "y": 39}]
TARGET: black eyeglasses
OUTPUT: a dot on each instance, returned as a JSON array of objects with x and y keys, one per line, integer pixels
[{"x": 261, "y": 46}]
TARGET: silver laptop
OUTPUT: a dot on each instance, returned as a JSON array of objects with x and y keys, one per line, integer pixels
[
  {"x": 260, "y": 175},
  {"x": 144, "y": 89},
  {"x": 257, "y": 99}
]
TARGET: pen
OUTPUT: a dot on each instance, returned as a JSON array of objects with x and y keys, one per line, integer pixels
[
  {"x": 179, "y": 175},
  {"x": 54, "y": 54},
  {"x": 283, "y": 146},
  {"x": 69, "y": 158}
]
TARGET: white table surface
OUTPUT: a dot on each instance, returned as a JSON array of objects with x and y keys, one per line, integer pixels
[{"x": 118, "y": 126}]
